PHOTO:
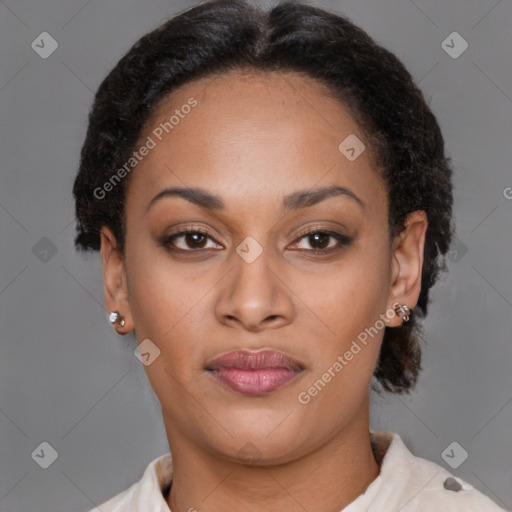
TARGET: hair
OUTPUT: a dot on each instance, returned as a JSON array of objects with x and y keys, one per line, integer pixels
[{"x": 219, "y": 36}]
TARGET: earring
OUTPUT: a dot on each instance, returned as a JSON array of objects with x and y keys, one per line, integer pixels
[
  {"x": 116, "y": 318},
  {"x": 403, "y": 312}
]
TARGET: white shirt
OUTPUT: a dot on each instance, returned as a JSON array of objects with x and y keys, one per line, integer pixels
[{"x": 406, "y": 483}]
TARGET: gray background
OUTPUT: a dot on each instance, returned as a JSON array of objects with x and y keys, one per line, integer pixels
[{"x": 67, "y": 379}]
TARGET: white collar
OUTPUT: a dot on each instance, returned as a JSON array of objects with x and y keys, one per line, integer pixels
[{"x": 405, "y": 482}]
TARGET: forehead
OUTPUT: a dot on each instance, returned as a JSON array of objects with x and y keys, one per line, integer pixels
[{"x": 252, "y": 135}]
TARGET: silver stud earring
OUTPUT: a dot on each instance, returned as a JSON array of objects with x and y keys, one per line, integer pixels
[
  {"x": 116, "y": 318},
  {"x": 403, "y": 312}
]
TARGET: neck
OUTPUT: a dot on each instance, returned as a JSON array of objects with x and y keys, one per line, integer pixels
[{"x": 327, "y": 479}]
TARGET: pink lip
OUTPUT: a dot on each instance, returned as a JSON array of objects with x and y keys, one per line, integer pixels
[{"x": 254, "y": 373}]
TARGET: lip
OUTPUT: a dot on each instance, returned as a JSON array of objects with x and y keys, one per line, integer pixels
[{"x": 254, "y": 373}]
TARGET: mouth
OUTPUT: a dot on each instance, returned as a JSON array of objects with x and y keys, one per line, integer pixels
[{"x": 254, "y": 373}]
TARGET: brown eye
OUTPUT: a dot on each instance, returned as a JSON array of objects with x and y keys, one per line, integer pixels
[
  {"x": 319, "y": 240},
  {"x": 188, "y": 240},
  {"x": 322, "y": 241},
  {"x": 194, "y": 240}
]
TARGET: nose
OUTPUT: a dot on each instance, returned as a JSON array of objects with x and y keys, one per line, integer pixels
[{"x": 254, "y": 296}]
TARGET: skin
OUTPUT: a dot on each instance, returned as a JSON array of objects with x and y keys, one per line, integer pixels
[{"x": 253, "y": 139}]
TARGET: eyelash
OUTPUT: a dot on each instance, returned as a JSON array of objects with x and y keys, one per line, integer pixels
[{"x": 342, "y": 239}]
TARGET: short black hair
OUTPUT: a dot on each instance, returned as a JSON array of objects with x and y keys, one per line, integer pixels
[{"x": 218, "y": 36}]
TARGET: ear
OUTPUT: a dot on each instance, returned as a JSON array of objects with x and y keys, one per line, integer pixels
[
  {"x": 114, "y": 280},
  {"x": 407, "y": 264}
]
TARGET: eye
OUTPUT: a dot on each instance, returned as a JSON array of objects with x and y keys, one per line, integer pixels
[
  {"x": 321, "y": 240},
  {"x": 191, "y": 239}
]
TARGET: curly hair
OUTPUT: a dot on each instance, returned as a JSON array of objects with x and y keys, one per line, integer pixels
[{"x": 217, "y": 36}]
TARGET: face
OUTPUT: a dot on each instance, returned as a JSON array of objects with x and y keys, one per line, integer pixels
[{"x": 288, "y": 250}]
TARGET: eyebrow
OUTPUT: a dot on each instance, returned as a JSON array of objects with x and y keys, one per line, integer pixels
[{"x": 293, "y": 201}]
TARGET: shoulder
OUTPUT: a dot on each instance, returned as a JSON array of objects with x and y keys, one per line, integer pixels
[
  {"x": 441, "y": 490},
  {"x": 121, "y": 502},
  {"x": 145, "y": 494},
  {"x": 415, "y": 484}
]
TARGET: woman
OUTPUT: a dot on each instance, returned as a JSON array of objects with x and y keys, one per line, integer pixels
[{"x": 272, "y": 203}]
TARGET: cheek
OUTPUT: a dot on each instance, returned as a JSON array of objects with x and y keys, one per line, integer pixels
[
  {"x": 350, "y": 294},
  {"x": 349, "y": 300},
  {"x": 166, "y": 311},
  {"x": 158, "y": 294},
  {"x": 346, "y": 354},
  {"x": 168, "y": 305}
]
